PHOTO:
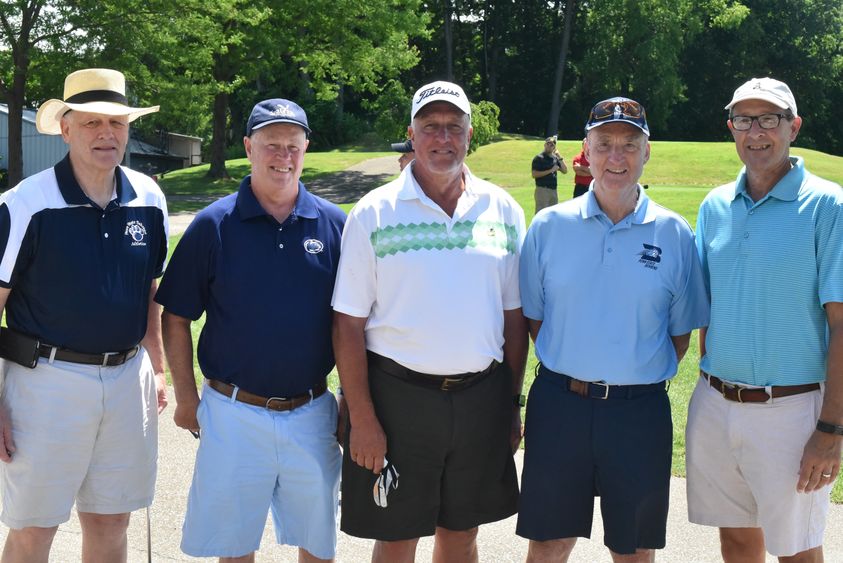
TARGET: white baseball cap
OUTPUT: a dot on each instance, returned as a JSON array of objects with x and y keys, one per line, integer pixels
[
  {"x": 440, "y": 91},
  {"x": 767, "y": 89}
]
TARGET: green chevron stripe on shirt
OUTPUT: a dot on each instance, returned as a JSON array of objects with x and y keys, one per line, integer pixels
[{"x": 434, "y": 236}]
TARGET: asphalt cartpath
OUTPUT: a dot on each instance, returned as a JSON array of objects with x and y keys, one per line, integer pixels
[{"x": 686, "y": 543}]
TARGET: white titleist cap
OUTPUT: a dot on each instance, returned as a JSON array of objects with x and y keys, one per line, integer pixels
[
  {"x": 767, "y": 89},
  {"x": 440, "y": 91}
]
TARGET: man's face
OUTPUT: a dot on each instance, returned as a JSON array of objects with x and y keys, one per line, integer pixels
[
  {"x": 276, "y": 152},
  {"x": 96, "y": 142},
  {"x": 616, "y": 153},
  {"x": 549, "y": 147},
  {"x": 440, "y": 134},
  {"x": 764, "y": 150}
]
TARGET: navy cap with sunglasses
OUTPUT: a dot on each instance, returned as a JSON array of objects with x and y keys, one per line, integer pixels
[{"x": 618, "y": 109}]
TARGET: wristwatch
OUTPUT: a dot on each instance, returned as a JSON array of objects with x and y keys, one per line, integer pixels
[{"x": 829, "y": 428}]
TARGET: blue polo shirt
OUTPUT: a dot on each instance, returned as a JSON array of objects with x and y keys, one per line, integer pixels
[
  {"x": 610, "y": 296},
  {"x": 80, "y": 275},
  {"x": 265, "y": 288},
  {"x": 770, "y": 267}
]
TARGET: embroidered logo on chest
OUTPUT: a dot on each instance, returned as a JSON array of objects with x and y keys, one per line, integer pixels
[
  {"x": 137, "y": 232},
  {"x": 650, "y": 256},
  {"x": 314, "y": 246}
]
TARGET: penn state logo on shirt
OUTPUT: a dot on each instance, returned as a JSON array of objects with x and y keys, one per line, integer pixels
[
  {"x": 314, "y": 246},
  {"x": 137, "y": 232},
  {"x": 650, "y": 256}
]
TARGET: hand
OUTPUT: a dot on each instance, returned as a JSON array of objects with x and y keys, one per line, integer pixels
[
  {"x": 821, "y": 456},
  {"x": 516, "y": 432},
  {"x": 342, "y": 419},
  {"x": 185, "y": 415},
  {"x": 7, "y": 444},
  {"x": 367, "y": 443},
  {"x": 161, "y": 388}
]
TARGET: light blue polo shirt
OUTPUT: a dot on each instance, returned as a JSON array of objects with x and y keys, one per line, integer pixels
[
  {"x": 610, "y": 296},
  {"x": 770, "y": 267}
]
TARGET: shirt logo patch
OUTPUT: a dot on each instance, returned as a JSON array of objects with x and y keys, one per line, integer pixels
[
  {"x": 650, "y": 256},
  {"x": 313, "y": 246},
  {"x": 137, "y": 231}
]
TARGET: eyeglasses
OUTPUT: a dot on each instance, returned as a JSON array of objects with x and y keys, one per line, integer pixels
[
  {"x": 765, "y": 121},
  {"x": 550, "y": 143},
  {"x": 610, "y": 108}
]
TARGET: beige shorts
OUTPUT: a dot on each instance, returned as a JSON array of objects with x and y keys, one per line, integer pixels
[
  {"x": 743, "y": 465},
  {"x": 545, "y": 197},
  {"x": 83, "y": 433}
]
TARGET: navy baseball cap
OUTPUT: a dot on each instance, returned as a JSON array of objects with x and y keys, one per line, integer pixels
[
  {"x": 404, "y": 147},
  {"x": 618, "y": 109},
  {"x": 276, "y": 110}
]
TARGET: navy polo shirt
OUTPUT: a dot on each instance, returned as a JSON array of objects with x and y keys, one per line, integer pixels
[
  {"x": 80, "y": 275},
  {"x": 265, "y": 287}
]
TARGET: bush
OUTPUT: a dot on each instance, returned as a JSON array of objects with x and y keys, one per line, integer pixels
[{"x": 484, "y": 120}]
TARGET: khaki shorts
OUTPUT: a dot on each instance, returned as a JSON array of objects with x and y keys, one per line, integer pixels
[
  {"x": 743, "y": 465},
  {"x": 83, "y": 433},
  {"x": 545, "y": 197}
]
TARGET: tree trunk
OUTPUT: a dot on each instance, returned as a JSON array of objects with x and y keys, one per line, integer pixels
[
  {"x": 217, "y": 169},
  {"x": 449, "y": 43},
  {"x": 15, "y": 102},
  {"x": 556, "y": 99}
]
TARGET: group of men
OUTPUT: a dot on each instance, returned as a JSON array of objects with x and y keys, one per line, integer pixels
[{"x": 424, "y": 296}]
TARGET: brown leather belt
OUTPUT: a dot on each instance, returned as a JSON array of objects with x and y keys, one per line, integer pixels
[
  {"x": 105, "y": 360},
  {"x": 271, "y": 403},
  {"x": 741, "y": 394},
  {"x": 601, "y": 390}
]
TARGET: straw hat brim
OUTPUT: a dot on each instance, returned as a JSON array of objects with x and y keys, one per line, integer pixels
[{"x": 48, "y": 118}]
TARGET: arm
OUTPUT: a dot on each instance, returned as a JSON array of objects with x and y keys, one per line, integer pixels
[
  {"x": 155, "y": 347},
  {"x": 367, "y": 441},
  {"x": 680, "y": 344},
  {"x": 7, "y": 444},
  {"x": 543, "y": 173},
  {"x": 515, "y": 348},
  {"x": 822, "y": 452},
  {"x": 178, "y": 343},
  {"x": 535, "y": 326},
  {"x": 580, "y": 170},
  {"x": 703, "y": 332},
  {"x": 560, "y": 162}
]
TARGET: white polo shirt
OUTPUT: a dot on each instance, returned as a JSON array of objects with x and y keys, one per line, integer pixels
[{"x": 434, "y": 287}]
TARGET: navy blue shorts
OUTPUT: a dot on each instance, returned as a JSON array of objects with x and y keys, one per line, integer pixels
[{"x": 577, "y": 448}]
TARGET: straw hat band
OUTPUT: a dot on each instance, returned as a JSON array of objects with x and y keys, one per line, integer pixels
[{"x": 97, "y": 96}]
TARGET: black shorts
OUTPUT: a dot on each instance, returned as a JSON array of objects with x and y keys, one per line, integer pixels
[
  {"x": 577, "y": 448},
  {"x": 452, "y": 452}
]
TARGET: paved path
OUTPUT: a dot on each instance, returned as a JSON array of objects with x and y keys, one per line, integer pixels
[
  {"x": 346, "y": 186},
  {"x": 686, "y": 543}
]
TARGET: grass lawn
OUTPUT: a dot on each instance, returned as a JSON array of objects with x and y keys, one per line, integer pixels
[{"x": 679, "y": 176}]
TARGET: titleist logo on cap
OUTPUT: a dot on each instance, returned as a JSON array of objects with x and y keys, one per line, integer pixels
[{"x": 436, "y": 90}]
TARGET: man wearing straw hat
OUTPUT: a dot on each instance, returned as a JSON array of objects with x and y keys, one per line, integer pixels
[{"x": 80, "y": 247}]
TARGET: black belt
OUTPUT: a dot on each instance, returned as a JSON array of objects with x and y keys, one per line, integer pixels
[
  {"x": 600, "y": 390},
  {"x": 272, "y": 403},
  {"x": 441, "y": 382},
  {"x": 105, "y": 360}
]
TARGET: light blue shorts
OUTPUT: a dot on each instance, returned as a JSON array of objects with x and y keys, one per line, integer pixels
[{"x": 251, "y": 458}]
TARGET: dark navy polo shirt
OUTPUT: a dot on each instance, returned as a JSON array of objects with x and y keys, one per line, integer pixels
[
  {"x": 265, "y": 288},
  {"x": 80, "y": 275}
]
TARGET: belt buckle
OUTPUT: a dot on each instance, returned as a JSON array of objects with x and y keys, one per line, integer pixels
[
  {"x": 605, "y": 393},
  {"x": 725, "y": 386},
  {"x": 269, "y": 401},
  {"x": 447, "y": 382},
  {"x": 105, "y": 358}
]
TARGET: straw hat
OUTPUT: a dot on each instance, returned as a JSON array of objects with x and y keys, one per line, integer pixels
[{"x": 93, "y": 90}]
